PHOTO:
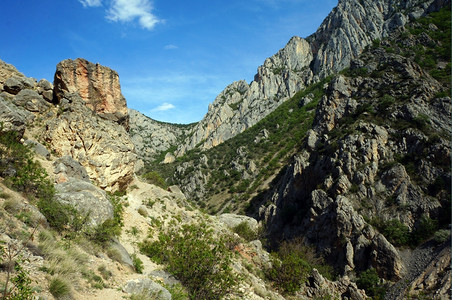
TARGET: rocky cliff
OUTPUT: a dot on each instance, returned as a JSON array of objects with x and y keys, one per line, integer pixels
[
  {"x": 95, "y": 136},
  {"x": 342, "y": 36},
  {"x": 152, "y": 138},
  {"x": 377, "y": 158},
  {"x": 97, "y": 85},
  {"x": 357, "y": 165}
]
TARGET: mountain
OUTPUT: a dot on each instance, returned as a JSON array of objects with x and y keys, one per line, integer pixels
[
  {"x": 341, "y": 37},
  {"x": 356, "y": 165},
  {"x": 327, "y": 177}
]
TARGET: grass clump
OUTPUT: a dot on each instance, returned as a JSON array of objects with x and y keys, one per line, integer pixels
[
  {"x": 59, "y": 288},
  {"x": 197, "y": 257}
]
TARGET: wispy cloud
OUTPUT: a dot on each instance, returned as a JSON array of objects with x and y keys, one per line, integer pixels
[
  {"x": 91, "y": 3},
  {"x": 164, "y": 107},
  {"x": 170, "y": 47},
  {"x": 129, "y": 10}
]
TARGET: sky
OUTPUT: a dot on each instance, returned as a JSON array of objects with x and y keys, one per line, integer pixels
[{"x": 173, "y": 57}]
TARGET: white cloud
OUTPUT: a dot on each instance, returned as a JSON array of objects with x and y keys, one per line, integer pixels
[
  {"x": 170, "y": 47},
  {"x": 164, "y": 107},
  {"x": 129, "y": 10},
  {"x": 91, "y": 3}
]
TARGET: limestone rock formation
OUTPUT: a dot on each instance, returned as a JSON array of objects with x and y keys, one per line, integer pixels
[
  {"x": 342, "y": 36},
  {"x": 151, "y": 137},
  {"x": 104, "y": 148},
  {"x": 354, "y": 164},
  {"x": 13, "y": 118},
  {"x": 97, "y": 85}
]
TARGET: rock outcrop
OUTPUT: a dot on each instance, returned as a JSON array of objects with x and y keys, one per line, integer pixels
[
  {"x": 151, "y": 137},
  {"x": 97, "y": 85},
  {"x": 103, "y": 147}
]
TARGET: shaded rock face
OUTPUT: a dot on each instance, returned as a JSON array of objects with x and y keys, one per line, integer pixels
[
  {"x": 102, "y": 147},
  {"x": 13, "y": 118},
  {"x": 366, "y": 158},
  {"x": 97, "y": 85}
]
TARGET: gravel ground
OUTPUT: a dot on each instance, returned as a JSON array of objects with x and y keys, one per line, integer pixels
[{"x": 415, "y": 261}]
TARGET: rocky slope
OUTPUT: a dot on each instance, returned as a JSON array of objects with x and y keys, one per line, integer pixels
[
  {"x": 152, "y": 138},
  {"x": 342, "y": 36},
  {"x": 375, "y": 160},
  {"x": 58, "y": 223},
  {"x": 369, "y": 177}
]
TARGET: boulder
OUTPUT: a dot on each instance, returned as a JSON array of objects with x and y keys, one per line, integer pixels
[
  {"x": 87, "y": 199},
  {"x": 148, "y": 287},
  {"x": 38, "y": 148},
  {"x": 97, "y": 85},
  {"x": 232, "y": 220},
  {"x": 13, "y": 118},
  {"x": 15, "y": 84},
  {"x": 66, "y": 167},
  {"x": 31, "y": 101}
]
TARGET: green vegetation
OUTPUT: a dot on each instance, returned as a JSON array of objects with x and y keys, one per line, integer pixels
[
  {"x": 25, "y": 174},
  {"x": 59, "y": 288},
  {"x": 197, "y": 257},
  {"x": 292, "y": 264},
  {"x": 372, "y": 284},
  {"x": 284, "y": 130},
  {"x": 137, "y": 264},
  {"x": 154, "y": 178},
  {"x": 400, "y": 235},
  {"x": 245, "y": 231},
  {"x": 395, "y": 231}
]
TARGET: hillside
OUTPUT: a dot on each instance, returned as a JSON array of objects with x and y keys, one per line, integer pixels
[{"x": 357, "y": 165}]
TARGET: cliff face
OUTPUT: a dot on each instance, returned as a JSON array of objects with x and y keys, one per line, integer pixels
[
  {"x": 378, "y": 154},
  {"x": 97, "y": 85},
  {"x": 342, "y": 36}
]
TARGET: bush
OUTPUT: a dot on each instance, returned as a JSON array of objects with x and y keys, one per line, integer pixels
[
  {"x": 137, "y": 264},
  {"x": 441, "y": 236},
  {"x": 197, "y": 257},
  {"x": 292, "y": 264},
  {"x": 371, "y": 283},
  {"x": 59, "y": 288},
  {"x": 155, "y": 178},
  {"x": 424, "y": 230},
  {"x": 244, "y": 230}
]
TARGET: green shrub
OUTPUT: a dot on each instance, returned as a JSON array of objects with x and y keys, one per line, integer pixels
[
  {"x": 289, "y": 268},
  {"x": 137, "y": 264},
  {"x": 244, "y": 230},
  {"x": 59, "y": 288},
  {"x": 197, "y": 257},
  {"x": 371, "y": 283},
  {"x": 396, "y": 232},
  {"x": 441, "y": 236},
  {"x": 424, "y": 230},
  {"x": 154, "y": 178}
]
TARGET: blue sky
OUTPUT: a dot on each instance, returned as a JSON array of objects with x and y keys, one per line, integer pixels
[{"x": 173, "y": 57}]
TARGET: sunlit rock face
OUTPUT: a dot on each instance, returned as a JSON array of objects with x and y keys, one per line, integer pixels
[{"x": 97, "y": 85}]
